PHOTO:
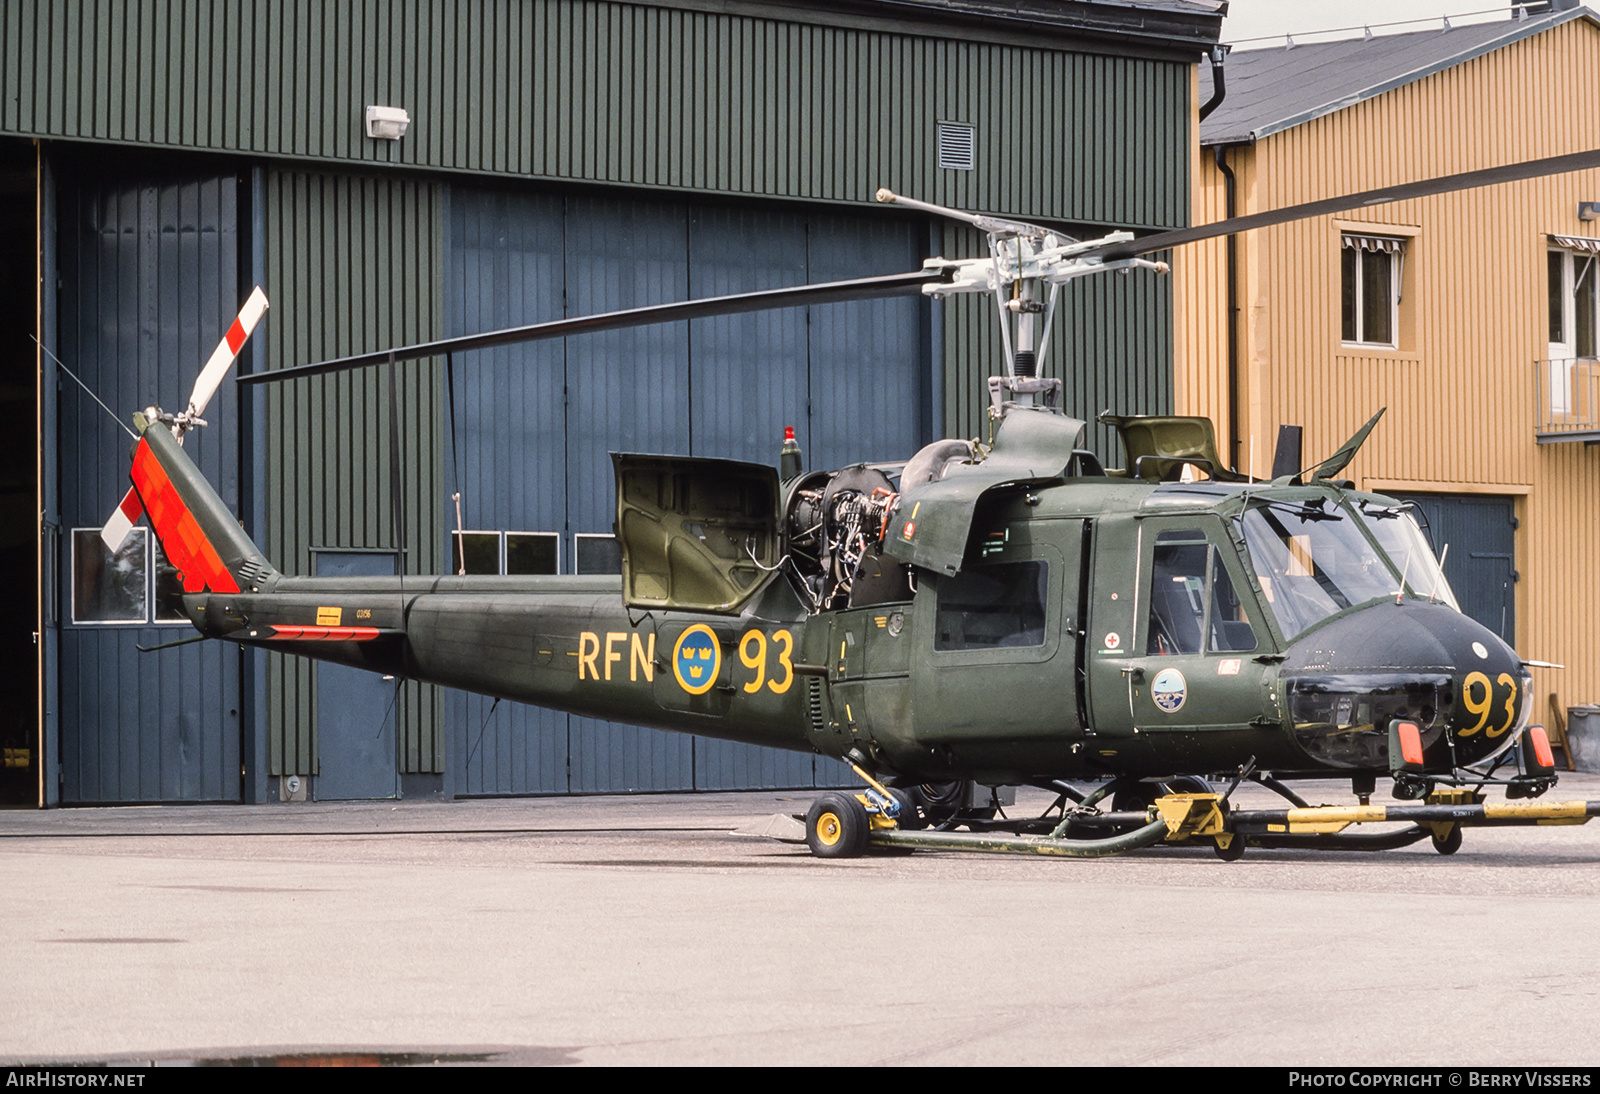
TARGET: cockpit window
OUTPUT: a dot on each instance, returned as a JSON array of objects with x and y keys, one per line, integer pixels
[
  {"x": 1177, "y": 593},
  {"x": 1193, "y": 603},
  {"x": 1397, "y": 532},
  {"x": 1312, "y": 562}
]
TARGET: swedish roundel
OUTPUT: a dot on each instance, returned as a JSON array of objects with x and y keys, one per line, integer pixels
[{"x": 696, "y": 659}]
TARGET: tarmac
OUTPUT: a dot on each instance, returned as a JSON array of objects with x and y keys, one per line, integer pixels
[{"x": 648, "y": 930}]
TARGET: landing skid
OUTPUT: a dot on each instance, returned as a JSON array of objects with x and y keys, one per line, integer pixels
[{"x": 844, "y": 825}]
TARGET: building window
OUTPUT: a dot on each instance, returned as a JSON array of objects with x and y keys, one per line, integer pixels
[
  {"x": 1372, "y": 272},
  {"x": 537, "y": 553},
  {"x": 596, "y": 553},
  {"x": 1569, "y": 378},
  {"x": 107, "y": 587},
  {"x": 1572, "y": 302},
  {"x": 533, "y": 553}
]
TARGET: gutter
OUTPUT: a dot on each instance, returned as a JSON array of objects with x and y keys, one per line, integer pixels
[{"x": 1219, "y": 91}]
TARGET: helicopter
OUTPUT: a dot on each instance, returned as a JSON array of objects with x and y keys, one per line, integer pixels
[{"x": 984, "y": 614}]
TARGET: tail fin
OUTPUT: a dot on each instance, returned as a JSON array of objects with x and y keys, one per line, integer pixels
[{"x": 197, "y": 533}]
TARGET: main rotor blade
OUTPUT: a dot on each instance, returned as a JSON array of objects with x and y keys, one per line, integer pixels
[
  {"x": 829, "y": 292},
  {"x": 1467, "y": 180}
]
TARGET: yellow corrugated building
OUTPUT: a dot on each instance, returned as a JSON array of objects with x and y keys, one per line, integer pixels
[{"x": 1472, "y": 316}]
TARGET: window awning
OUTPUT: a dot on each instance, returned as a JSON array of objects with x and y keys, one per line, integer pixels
[
  {"x": 1390, "y": 244},
  {"x": 1577, "y": 243}
]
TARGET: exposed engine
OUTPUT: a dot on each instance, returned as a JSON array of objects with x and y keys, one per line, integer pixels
[{"x": 836, "y": 525}]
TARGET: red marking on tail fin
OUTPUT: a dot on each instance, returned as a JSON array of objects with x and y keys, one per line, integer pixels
[{"x": 181, "y": 538}]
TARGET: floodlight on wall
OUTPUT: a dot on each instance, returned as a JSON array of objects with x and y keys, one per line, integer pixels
[
  {"x": 387, "y": 123},
  {"x": 1589, "y": 210}
]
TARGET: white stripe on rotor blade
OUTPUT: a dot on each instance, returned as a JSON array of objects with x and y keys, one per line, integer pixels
[
  {"x": 121, "y": 522},
  {"x": 223, "y": 356}
]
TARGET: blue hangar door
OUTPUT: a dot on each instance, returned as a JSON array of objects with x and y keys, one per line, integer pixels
[
  {"x": 149, "y": 280},
  {"x": 1481, "y": 567},
  {"x": 534, "y": 425}
]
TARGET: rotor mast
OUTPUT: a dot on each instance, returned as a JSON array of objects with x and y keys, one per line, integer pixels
[{"x": 1023, "y": 259}]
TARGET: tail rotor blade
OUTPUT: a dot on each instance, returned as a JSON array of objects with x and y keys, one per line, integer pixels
[
  {"x": 226, "y": 353},
  {"x": 123, "y": 518},
  {"x": 129, "y": 509}
]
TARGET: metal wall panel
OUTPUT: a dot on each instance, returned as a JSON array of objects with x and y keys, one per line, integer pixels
[
  {"x": 749, "y": 376},
  {"x": 509, "y": 439},
  {"x": 149, "y": 281},
  {"x": 854, "y": 377},
  {"x": 352, "y": 264},
  {"x": 632, "y": 94},
  {"x": 628, "y": 390},
  {"x": 871, "y": 374}
]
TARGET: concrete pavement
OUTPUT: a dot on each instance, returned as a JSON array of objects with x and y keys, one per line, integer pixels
[{"x": 642, "y": 930}]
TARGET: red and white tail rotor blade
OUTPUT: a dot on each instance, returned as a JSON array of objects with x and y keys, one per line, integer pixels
[
  {"x": 226, "y": 353},
  {"x": 128, "y": 509}
]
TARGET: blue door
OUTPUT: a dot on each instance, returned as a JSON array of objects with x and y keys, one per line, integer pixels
[{"x": 357, "y": 711}]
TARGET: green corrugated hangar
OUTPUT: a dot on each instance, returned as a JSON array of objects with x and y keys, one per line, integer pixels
[{"x": 558, "y": 158}]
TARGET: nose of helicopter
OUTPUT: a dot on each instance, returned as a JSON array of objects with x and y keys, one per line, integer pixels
[{"x": 1423, "y": 662}]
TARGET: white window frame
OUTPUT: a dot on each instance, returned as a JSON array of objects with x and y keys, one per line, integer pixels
[
  {"x": 501, "y": 545},
  {"x": 505, "y": 546},
  {"x": 457, "y": 543},
  {"x": 589, "y": 535},
  {"x": 1395, "y": 248},
  {"x": 1576, "y": 266},
  {"x": 149, "y": 579},
  {"x": 1568, "y": 371}
]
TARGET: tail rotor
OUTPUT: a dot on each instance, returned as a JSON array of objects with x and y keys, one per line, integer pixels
[{"x": 129, "y": 509}]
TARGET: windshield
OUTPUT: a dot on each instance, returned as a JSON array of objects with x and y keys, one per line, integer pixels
[
  {"x": 1397, "y": 533},
  {"x": 1312, "y": 561}
]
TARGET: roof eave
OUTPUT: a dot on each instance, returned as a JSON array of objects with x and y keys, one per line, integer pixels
[{"x": 1527, "y": 30}]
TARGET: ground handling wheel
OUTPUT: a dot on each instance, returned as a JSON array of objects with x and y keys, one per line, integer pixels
[
  {"x": 1449, "y": 844},
  {"x": 1233, "y": 852},
  {"x": 836, "y": 826}
]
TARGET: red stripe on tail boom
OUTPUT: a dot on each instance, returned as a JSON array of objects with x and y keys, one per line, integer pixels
[
  {"x": 185, "y": 544},
  {"x": 322, "y": 634}
]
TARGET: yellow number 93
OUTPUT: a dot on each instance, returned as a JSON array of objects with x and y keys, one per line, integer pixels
[{"x": 1484, "y": 707}]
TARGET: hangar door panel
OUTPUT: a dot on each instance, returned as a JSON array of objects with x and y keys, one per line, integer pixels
[
  {"x": 149, "y": 282},
  {"x": 535, "y": 425},
  {"x": 871, "y": 376},
  {"x": 627, "y": 390},
  {"x": 1481, "y": 566},
  {"x": 507, "y": 451}
]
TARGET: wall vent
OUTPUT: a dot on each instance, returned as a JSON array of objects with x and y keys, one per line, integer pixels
[{"x": 957, "y": 146}]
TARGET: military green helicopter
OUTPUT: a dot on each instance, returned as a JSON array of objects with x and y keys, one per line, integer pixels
[{"x": 982, "y": 615}]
